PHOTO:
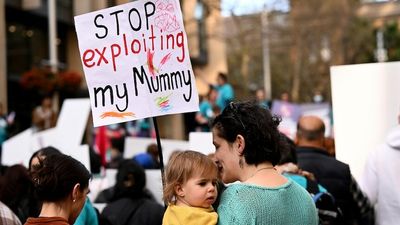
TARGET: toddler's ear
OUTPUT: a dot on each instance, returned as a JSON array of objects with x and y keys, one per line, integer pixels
[{"x": 179, "y": 190}]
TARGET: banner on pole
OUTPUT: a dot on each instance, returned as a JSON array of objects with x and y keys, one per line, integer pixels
[{"x": 136, "y": 61}]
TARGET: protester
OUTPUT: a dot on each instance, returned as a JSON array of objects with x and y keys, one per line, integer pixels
[
  {"x": 116, "y": 152},
  {"x": 131, "y": 203},
  {"x": 61, "y": 183},
  {"x": 262, "y": 99},
  {"x": 285, "y": 97},
  {"x": 5, "y": 122},
  {"x": 16, "y": 192},
  {"x": 152, "y": 150},
  {"x": 208, "y": 110},
  {"x": 334, "y": 175},
  {"x": 88, "y": 215},
  {"x": 328, "y": 211},
  {"x": 380, "y": 179},
  {"x": 148, "y": 159},
  {"x": 190, "y": 189},
  {"x": 287, "y": 165},
  {"x": 225, "y": 91},
  {"x": 43, "y": 116},
  {"x": 248, "y": 145},
  {"x": 318, "y": 97},
  {"x": 7, "y": 217}
]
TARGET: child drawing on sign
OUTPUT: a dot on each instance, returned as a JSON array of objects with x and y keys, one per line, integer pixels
[
  {"x": 163, "y": 103},
  {"x": 190, "y": 189},
  {"x": 165, "y": 16}
]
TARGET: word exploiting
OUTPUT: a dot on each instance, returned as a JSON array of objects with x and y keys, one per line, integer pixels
[{"x": 125, "y": 45}]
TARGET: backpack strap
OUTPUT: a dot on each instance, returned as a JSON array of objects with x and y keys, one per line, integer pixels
[{"x": 312, "y": 186}]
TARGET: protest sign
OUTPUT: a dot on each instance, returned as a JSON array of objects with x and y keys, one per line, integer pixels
[
  {"x": 290, "y": 113},
  {"x": 136, "y": 61},
  {"x": 365, "y": 100}
]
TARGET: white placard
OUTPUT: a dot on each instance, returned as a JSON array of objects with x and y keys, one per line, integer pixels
[
  {"x": 72, "y": 121},
  {"x": 136, "y": 61},
  {"x": 17, "y": 150},
  {"x": 201, "y": 142},
  {"x": 66, "y": 136},
  {"x": 80, "y": 153},
  {"x": 154, "y": 184},
  {"x": 135, "y": 145},
  {"x": 43, "y": 139},
  {"x": 366, "y": 100}
]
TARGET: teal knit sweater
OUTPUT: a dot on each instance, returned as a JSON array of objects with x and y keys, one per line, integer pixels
[{"x": 245, "y": 204}]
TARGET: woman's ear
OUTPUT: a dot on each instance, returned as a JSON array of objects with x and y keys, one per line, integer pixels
[
  {"x": 240, "y": 144},
  {"x": 76, "y": 192}
]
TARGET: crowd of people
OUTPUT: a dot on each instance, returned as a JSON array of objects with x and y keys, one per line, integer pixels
[{"x": 257, "y": 175}]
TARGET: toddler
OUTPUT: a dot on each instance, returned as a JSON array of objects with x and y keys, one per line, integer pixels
[{"x": 190, "y": 189}]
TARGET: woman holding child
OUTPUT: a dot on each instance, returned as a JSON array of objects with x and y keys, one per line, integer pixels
[{"x": 248, "y": 145}]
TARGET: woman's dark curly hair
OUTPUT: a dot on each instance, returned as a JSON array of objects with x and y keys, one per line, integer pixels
[{"x": 259, "y": 128}]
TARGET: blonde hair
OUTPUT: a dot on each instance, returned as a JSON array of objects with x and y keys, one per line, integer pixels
[{"x": 183, "y": 166}]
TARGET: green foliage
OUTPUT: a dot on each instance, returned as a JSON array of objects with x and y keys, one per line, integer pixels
[{"x": 392, "y": 41}]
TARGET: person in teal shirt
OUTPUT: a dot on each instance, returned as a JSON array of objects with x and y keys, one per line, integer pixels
[
  {"x": 208, "y": 110},
  {"x": 88, "y": 215},
  {"x": 248, "y": 143},
  {"x": 225, "y": 91},
  {"x": 287, "y": 166}
]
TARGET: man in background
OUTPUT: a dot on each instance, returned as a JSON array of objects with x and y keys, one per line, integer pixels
[{"x": 332, "y": 174}]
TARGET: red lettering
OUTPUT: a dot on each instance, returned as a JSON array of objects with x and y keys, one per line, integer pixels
[
  {"x": 86, "y": 60},
  {"x": 152, "y": 37},
  {"x": 125, "y": 45},
  {"x": 133, "y": 46},
  {"x": 101, "y": 54},
  {"x": 180, "y": 42},
  {"x": 115, "y": 54}
]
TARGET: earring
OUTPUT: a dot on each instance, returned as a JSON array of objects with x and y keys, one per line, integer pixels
[
  {"x": 241, "y": 163},
  {"x": 73, "y": 200}
]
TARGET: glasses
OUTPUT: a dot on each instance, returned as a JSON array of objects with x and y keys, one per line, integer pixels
[{"x": 234, "y": 109}]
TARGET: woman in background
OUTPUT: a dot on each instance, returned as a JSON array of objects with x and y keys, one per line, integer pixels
[{"x": 61, "y": 183}]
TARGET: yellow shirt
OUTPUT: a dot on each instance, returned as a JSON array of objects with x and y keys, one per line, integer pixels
[{"x": 185, "y": 215}]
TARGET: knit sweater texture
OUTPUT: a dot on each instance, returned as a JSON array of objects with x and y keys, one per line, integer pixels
[{"x": 255, "y": 205}]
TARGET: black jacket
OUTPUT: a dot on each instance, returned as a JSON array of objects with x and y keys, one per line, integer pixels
[
  {"x": 332, "y": 174},
  {"x": 127, "y": 211}
]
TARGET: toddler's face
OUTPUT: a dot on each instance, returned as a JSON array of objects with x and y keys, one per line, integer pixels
[{"x": 198, "y": 192}]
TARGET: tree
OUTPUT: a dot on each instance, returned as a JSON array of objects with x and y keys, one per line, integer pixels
[
  {"x": 304, "y": 42},
  {"x": 325, "y": 33}
]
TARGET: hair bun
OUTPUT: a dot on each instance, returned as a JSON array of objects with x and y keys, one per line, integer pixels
[{"x": 44, "y": 179}]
